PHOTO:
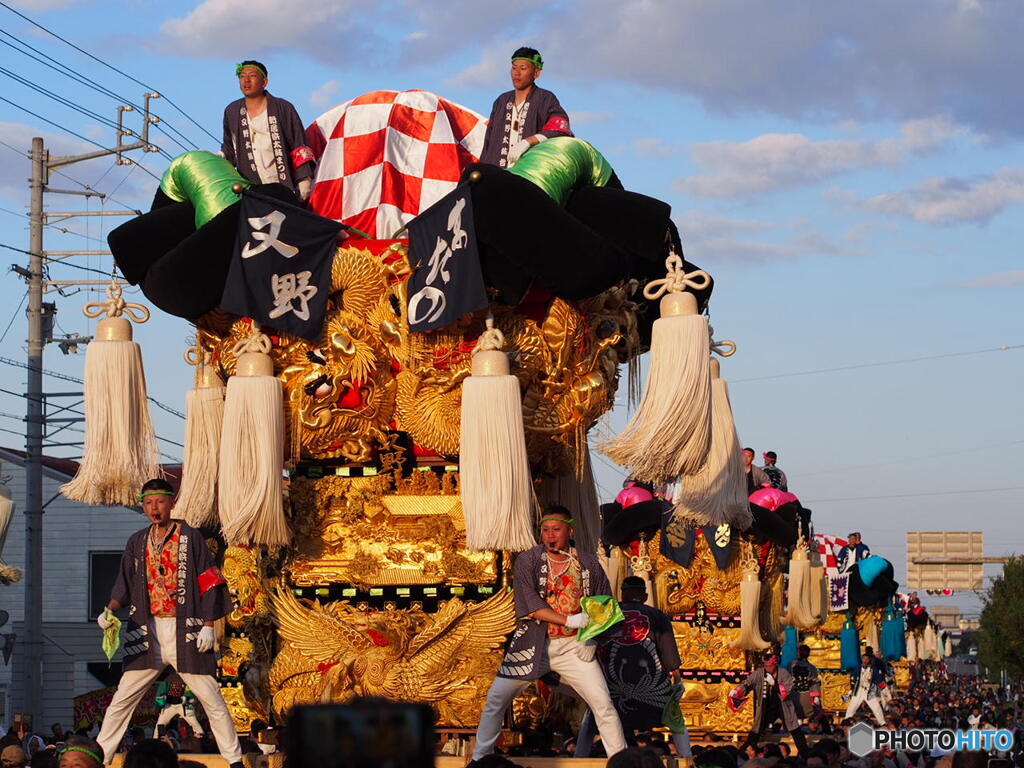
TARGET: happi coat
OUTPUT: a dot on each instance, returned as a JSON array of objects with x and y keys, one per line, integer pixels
[
  {"x": 541, "y": 113},
  {"x": 526, "y": 655},
  {"x": 762, "y": 694},
  {"x": 294, "y": 159},
  {"x": 806, "y": 681},
  {"x": 202, "y": 595},
  {"x": 636, "y": 655}
]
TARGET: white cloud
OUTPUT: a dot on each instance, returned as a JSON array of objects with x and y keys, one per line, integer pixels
[
  {"x": 334, "y": 31},
  {"x": 710, "y": 237},
  {"x": 775, "y": 161},
  {"x": 323, "y": 96},
  {"x": 589, "y": 117},
  {"x": 948, "y": 201},
  {"x": 998, "y": 279},
  {"x": 654, "y": 147}
]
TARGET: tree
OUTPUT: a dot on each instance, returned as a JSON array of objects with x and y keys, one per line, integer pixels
[{"x": 1001, "y": 640}]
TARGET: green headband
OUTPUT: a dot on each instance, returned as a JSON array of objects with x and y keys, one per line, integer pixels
[
  {"x": 240, "y": 67},
  {"x": 558, "y": 519},
  {"x": 88, "y": 752},
  {"x": 536, "y": 60},
  {"x": 146, "y": 494}
]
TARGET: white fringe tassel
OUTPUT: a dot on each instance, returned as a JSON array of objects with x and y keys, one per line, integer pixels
[
  {"x": 670, "y": 433},
  {"x": 197, "y": 498},
  {"x": 120, "y": 445},
  {"x": 717, "y": 493},
  {"x": 8, "y": 574},
  {"x": 250, "y": 486},
  {"x": 800, "y": 614},
  {"x": 494, "y": 471},
  {"x": 750, "y": 632}
]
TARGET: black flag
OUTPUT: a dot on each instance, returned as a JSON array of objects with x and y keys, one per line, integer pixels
[
  {"x": 281, "y": 271},
  {"x": 446, "y": 281}
]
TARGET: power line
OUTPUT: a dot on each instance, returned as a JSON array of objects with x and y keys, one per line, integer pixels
[
  {"x": 67, "y": 71},
  {"x": 58, "y": 98},
  {"x": 76, "y": 380},
  {"x": 12, "y": 248},
  {"x": 14, "y": 316},
  {"x": 878, "y": 365},
  {"x": 923, "y": 493},
  {"x": 108, "y": 66}
]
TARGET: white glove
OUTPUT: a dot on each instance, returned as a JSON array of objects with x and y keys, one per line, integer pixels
[
  {"x": 518, "y": 149},
  {"x": 305, "y": 187},
  {"x": 103, "y": 620},
  {"x": 204, "y": 642},
  {"x": 577, "y": 621}
]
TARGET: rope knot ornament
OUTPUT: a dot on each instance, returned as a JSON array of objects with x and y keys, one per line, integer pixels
[
  {"x": 116, "y": 306},
  {"x": 255, "y": 343},
  {"x": 676, "y": 279},
  {"x": 723, "y": 348},
  {"x": 491, "y": 340}
]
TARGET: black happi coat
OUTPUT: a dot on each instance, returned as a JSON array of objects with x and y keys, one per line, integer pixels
[
  {"x": 526, "y": 656},
  {"x": 202, "y": 596},
  {"x": 541, "y": 113},
  {"x": 295, "y": 161},
  {"x": 637, "y": 656}
]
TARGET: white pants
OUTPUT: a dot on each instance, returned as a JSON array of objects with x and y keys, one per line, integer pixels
[
  {"x": 135, "y": 682},
  {"x": 585, "y": 677},
  {"x": 874, "y": 704},
  {"x": 171, "y": 711}
]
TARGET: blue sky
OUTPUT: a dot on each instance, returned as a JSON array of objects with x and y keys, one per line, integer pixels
[{"x": 851, "y": 173}]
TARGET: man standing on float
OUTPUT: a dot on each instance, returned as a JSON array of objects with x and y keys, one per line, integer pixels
[
  {"x": 263, "y": 135},
  {"x": 175, "y": 594},
  {"x": 549, "y": 582},
  {"x": 525, "y": 116}
]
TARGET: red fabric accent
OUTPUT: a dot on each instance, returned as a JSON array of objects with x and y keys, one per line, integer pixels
[
  {"x": 316, "y": 140},
  {"x": 324, "y": 666},
  {"x": 302, "y": 155},
  {"x": 557, "y": 123},
  {"x": 209, "y": 579},
  {"x": 783, "y": 691}
]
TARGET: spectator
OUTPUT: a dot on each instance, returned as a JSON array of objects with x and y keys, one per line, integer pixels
[
  {"x": 13, "y": 757},
  {"x": 80, "y": 752},
  {"x": 775, "y": 475},
  {"x": 855, "y": 551},
  {"x": 151, "y": 753},
  {"x": 756, "y": 478},
  {"x": 58, "y": 732}
]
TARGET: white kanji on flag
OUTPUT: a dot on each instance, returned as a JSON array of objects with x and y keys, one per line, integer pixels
[
  {"x": 290, "y": 288},
  {"x": 275, "y": 220}
]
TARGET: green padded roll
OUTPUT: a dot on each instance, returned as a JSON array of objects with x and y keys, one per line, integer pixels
[
  {"x": 561, "y": 164},
  {"x": 203, "y": 179}
]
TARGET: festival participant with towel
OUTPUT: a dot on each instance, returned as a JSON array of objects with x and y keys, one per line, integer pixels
[
  {"x": 525, "y": 116},
  {"x": 806, "y": 683},
  {"x": 641, "y": 666},
  {"x": 550, "y": 582},
  {"x": 176, "y": 594},
  {"x": 772, "y": 689},
  {"x": 263, "y": 135}
]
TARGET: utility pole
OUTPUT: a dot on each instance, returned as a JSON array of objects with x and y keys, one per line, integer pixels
[{"x": 40, "y": 316}]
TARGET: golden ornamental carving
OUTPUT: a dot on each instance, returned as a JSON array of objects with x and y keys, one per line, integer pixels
[
  {"x": 825, "y": 651},
  {"x": 334, "y": 652},
  {"x": 241, "y": 715},
  {"x": 241, "y": 570},
  {"x": 679, "y": 588},
  {"x": 834, "y": 687},
  {"x": 704, "y": 649},
  {"x": 901, "y": 673},
  {"x": 706, "y": 708}
]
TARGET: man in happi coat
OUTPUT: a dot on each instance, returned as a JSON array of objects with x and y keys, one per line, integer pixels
[
  {"x": 525, "y": 116},
  {"x": 263, "y": 135},
  {"x": 641, "y": 664},
  {"x": 549, "y": 581},
  {"x": 866, "y": 686},
  {"x": 806, "y": 683},
  {"x": 772, "y": 691},
  {"x": 175, "y": 594}
]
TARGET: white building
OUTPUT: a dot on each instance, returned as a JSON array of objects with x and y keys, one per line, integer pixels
[{"x": 82, "y": 548}]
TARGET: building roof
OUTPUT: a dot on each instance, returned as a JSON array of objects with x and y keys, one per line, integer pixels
[{"x": 68, "y": 467}]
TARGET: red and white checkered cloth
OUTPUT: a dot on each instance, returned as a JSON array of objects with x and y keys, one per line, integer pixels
[
  {"x": 828, "y": 547},
  {"x": 385, "y": 157}
]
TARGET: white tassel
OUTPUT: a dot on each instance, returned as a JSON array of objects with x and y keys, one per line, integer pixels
[
  {"x": 912, "y": 645},
  {"x": 947, "y": 648},
  {"x": 8, "y": 574},
  {"x": 929, "y": 642},
  {"x": 717, "y": 493},
  {"x": 204, "y": 415},
  {"x": 250, "y": 487},
  {"x": 494, "y": 471},
  {"x": 580, "y": 496},
  {"x": 818, "y": 590},
  {"x": 801, "y": 613},
  {"x": 871, "y": 634},
  {"x": 120, "y": 452},
  {"x": 750, "y": 597},
  {"x": 670, "y": 433}
]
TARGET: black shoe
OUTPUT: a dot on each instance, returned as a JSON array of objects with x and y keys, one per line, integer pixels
[{"x": 239, "y": 764}]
